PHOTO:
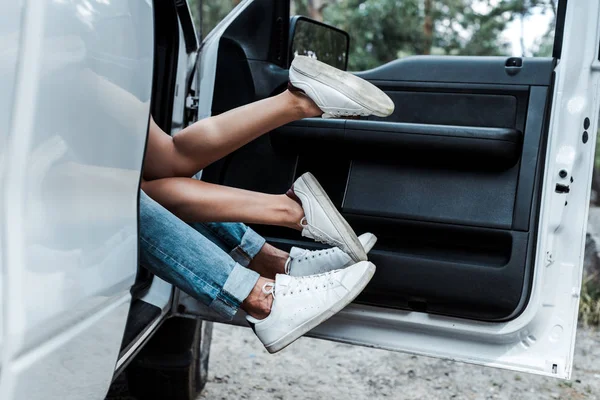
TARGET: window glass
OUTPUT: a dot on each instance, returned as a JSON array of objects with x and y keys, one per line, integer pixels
[
  {"x": 385, "y": 30},
  {"x": 320, "y": 41}
]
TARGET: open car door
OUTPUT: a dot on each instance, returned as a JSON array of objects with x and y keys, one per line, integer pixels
[
  {"x": 477, "y": 187},
  {"x": 75, "y": 97}
]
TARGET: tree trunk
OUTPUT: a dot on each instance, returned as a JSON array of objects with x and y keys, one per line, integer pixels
[
  {"x": 293, "y": 7},
  {"x": 553, "y": 7},
  {"x": 315, "y": 9},
  {"x": 428, "y": 28}
]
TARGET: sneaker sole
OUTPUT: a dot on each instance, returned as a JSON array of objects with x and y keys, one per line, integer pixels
[
  {"x": 353, "y": 246},
  {"x": 362, "y": 92},
  {"x": 301, "y": 330}
]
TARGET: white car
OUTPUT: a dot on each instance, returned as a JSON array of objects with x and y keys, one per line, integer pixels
[{"x": 477, "y": 187}]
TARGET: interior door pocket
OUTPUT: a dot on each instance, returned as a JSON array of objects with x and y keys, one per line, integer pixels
[
  {"x": 407, "y": 190},
  {"x": 469, "y": 272}
]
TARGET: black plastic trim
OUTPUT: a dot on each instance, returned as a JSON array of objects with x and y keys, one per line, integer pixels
[
  {"x": 560, "y": 29},
  {"x": 535, "y": 210},
  {"x": 530, "y": 158},
  {"x": 143, "y": 278},
  {"x": 187, "y": 26},
  {"x": 141, "y": 315},
  {"x": 446, "y": 131},
  {"x": 166, "y": 41},
  {"x": 253, "y": 31},
  {"x": 278, "y": 45},
  {"x": 360, "y": 137},
  {"x": 456, "y": 69},
  {"x": 449, "y": 87}
]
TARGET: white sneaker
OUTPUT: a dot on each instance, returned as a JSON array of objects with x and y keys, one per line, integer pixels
[
  {"x": 322, "y": 221},
  {"x": 304, "y": 262},
  {"x": 301, "y": 303},
  {"x": 338, "y": 93}
]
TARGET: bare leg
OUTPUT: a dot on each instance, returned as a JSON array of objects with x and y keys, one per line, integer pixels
[
  {"x": 210, "y": 139},
  {"x": 197, "y": 201}
]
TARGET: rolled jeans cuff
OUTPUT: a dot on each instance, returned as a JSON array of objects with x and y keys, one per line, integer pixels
[
  {"x": 249, "y": 247},
  {"x": 237, "y": 287}
]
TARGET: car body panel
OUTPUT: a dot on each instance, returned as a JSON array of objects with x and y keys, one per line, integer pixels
[
  {"x": 10, "y": 31},
  {"x": 72, "y": 167}
]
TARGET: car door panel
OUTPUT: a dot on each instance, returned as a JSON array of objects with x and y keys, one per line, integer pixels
[
  {"x": 453, "y": 183},
  {"x": 445, "y": 184}
]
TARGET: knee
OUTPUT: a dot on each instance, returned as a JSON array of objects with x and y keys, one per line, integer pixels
[{"x": 143, "y": 188}]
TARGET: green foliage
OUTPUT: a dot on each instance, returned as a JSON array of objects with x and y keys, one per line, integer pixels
[
  {"x": 589, "y": 305},
  {"x": 463, "y": 31},
  {"x": 384, "y": 30},
  {"x": 380, "y": 31}
]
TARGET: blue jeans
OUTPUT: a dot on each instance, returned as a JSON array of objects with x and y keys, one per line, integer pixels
[{"x": 207, "y": 260}]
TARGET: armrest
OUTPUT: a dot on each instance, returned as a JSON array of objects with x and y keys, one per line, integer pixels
[
  {"x": 389, "y": 140},
  {"x": 443, "y": 131}
]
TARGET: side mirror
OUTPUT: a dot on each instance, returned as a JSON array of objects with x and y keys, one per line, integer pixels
[{"x": 318, "y": 40}]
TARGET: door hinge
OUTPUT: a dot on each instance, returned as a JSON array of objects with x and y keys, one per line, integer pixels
[{"x": 191, "y": 102}]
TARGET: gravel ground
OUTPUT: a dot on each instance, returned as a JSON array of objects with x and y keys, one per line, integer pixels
[{"x": 240, "y": 368}]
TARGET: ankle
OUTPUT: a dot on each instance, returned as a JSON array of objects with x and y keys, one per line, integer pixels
[
  {"x": 303, "y": 106},
  {"x": 258, "y": 304},
  {"x": 291, "y": 212},
  {"x": 269, "y": 261}
]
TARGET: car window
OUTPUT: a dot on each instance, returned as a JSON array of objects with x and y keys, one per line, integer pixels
[{"x": 385, "y": 30}]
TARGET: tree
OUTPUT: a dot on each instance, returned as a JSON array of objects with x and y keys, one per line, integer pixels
[
  {"x": 315, "y": 9},
  {"x": 385, "y": 30},
  {"x": 428, "y": 26},
  {"x": 381, "y": 31},
  {"x": 545, "y": 44}
]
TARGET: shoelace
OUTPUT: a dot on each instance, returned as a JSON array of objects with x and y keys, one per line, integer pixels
[
  {"x": 271, "y": 290},
  {"x": 299, "y": 284}
]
